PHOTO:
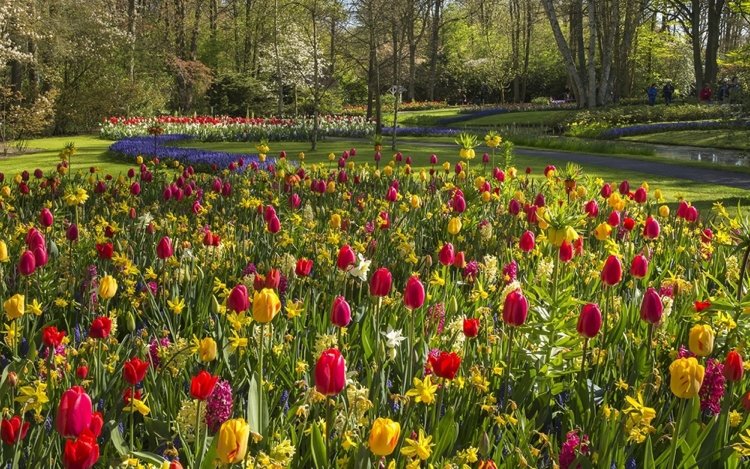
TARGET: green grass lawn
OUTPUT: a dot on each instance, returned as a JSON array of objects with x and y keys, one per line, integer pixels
[
  {"x": 549, "y": 117},
  {"x": 717, "y": 138},
  {"x": 419, "y": 118},
  {"x": 93, "y": 152}
]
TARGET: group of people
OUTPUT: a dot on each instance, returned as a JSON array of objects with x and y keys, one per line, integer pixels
[{"x": 728, "y": 92}]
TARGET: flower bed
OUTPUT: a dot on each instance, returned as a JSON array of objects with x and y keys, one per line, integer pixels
[
  {"x": 213, "y": 129},
  {"x": 374, "y": 314},
  {"x": 629, "y": 131}
]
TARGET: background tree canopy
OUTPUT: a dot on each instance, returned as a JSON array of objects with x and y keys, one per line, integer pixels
[{"x": 288, "y": 57}]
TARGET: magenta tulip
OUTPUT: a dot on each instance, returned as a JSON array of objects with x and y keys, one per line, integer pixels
[
  {"x": 45, "y": 218},
  {"x": 651, "y": 307},
  {"x": 380, "y": 282},
  {"x": 330, "y": 373},
  {"x": 612, "y": 271},
  {"x": 164, "y": 248},
  {"x": 27, "y": 263},
  {"x": 651, "y": 228},
  {"x": 590, "y": 321},
  {"x": 447, "y": 254},
  {"x": 414, "y": 293},
  {"x": 238, "y": 300},
  {"x": 341, "y": 312},
  {"x": 639, "y": 266},
  {"x": 75, "y": 412},
  {"x": 515, "y": 309}
]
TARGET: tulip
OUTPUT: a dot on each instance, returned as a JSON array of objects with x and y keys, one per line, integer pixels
[
  {"x": 612, "y": 271},
  {"x": 273, "y": 279},
  {"x": 233, "y": 438},
  {"x": 686, "y": 377},
  {"x": 4, "y": 252},
  {"x": 74, "y": 415},
  {"x": 691, "y": 214},
  {"x": 391, "y": 195},
  {"x": 27, "y": 263},
  {"x": 72, "y": 233},
  {"x": 346, "y": 257},
  {"x": 734, "y": 369},
  {"x": 105, "y": 251},
  {"x": 531, "y": 217},
  {"x": 273, "y": 225},
  {"x": 445, "y": 365},
  {"x": 384, "y": 436},
  {"x": 202, "y": 385},
  {"x": 40, "y": 256},
  {"x": 134, "y": 371},
  {"x": 12, "y": 431},
  {"x": 514, "y": 207},
  {"x": 265, "y": 305},
  {"x": 471, "y": 327},
  {"x": 602, "y": 231},
  {"x": 651, "y": 307},
  {"x": 454, "y": 226},
  {"x": 664, "y": 211},
  {"x": 614, "y": 219},
  {"x": 45, "y": 218},
  {"x": 100, "y": 328},
  {"x": 164, "y": 248},
  {"x": 135, "y": 188},
  {"x": 380, "y": 282},
  {"x": 624, "y": 187},
  {"x": 527, "y": 242},
  {"x": 414, "y": 293},
  {"x": 341, "y": 312},
  {"x": 81, "y": 453},
  {"x": 447, "y": 254},
  {"x": 459, "y": 204},
  {"x": 515, "y": 309},
  {"x": 82, "y": 372},
  {"x": 565, "y": 253},
  {"x": 591, "y": 208},
  {"x": 639, "y": 266},
  {"x": 207, "y": 350},
  {"x": 51, "y": 337},
  {"x": 651, "y": 228},
  {"x": 303, "y": 268},
  {"x": 628, "y": 224},
  {"x": 330, "y": 373},
  {"x": 589, "y": 321},
  {"x": 107, "y": 287},
  {"x": 701, "y": 340},
  {"x": 14, "y": 306},
  {"x": 539, "y": 200},
  {"x": 746, "y": 402},
  {"x": 606, "y": 191}
]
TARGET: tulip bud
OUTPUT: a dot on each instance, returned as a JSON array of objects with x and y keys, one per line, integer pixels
[
  {"x": 45, "y": 218},
  {"x": 591, "y": 208},
  {"x": 651, "y": 307},
  {"x": 566, "y": 251},
  {"x": 380, "y": 282},
  {"x": 624, "y": 187},
  {"x": 651, "y": 228},
  {"x": 640, "y": 195},
  {"x": 639, "y": 266},
  {"x": 164, "y": 248},
  {"x": 460, "y": 261},
  {"x": 447, "y": 254},
  {"x": 330, "y": 373},
  {"x": 612, "y": 271},
  {"x": 341, "y": 312},
  {"x": 590, "y": 321},
  {"x": 527, "y": 242},
  {"x": 82, "y": 372},
  {"x": 27, "y": 263},
  {"x": 701, "y": 340},
  {"x": 471, "y": 327},
  {"x": 238, "y": 301},
  {"x": 452, "y": 307},
  {"x": 414, "y": 294},
  {"x": 734, "y": 369},
  {"x": 515, "y": 309}
]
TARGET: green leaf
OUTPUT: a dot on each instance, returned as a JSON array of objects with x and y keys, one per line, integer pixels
[
  {"x": 253, "y": 393},
  {"x": 149, "y": 457},
  {"x": 445, "y": 434},
  {"x": 211, "y": 455},
  {"x": 648, "y": 454},
  {"x": 318, "y": 446},
  {"x": 117, "y": 439}
]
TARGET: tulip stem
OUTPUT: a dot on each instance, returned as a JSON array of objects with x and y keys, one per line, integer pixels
[
  {"x": 506, "y": 393},
  {"x": 377, "y": 327},
  {"x": 727, "y": 404},
  {"x": 132, "y": 419},
  {"x": 328, "y": 428},
  {"x": 197, "y": 432},
  {"x": 675, "y": 438},
  {"x": 583, "y": 359},
  {"x": 260, "y": 380}
]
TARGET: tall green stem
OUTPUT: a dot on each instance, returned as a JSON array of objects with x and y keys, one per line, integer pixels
[
  {"x": 132, "y": 419},
  {"x": 506, "y": 393},
  {"x": 260, "y": 378},
  {"x": 676, "y": 437},
  {"x": 197, "y": 430}
]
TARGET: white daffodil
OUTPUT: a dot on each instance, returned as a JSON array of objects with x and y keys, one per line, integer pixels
[{"x": 360, "y": 271}]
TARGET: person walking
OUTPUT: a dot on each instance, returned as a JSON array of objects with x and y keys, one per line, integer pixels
[
  {"x": 668, "y": 91},
  {"x": 652, "y": 93},
  {"x": 705, "y": 93}
]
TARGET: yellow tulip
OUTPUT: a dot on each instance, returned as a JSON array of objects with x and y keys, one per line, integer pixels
[
  {"x": 388, "y": 170},
  {"x": 479, "y": 182},
  {"x": 14, "y": 306},
  {"x": 107, "y": 287},
  {"x": 542, "y": 224},
  {"x": 265, "y": 305},
  {"x": 302, "y": 155},
  {"x": 139, "y": 159},
  {"x": 350, "y": 165},
  {"x": 582, "y": 192},
  {"x": 518, "y": 195},
  {"x": 335, "y": 222},
  {"x": 422, "y": 175},
  {"x": 3, "y": 252},
  {"x": 686, "y": 377},
  {"x": 657, "y": 194},
  {"x": 602, "y": 231},
  {"x": 512, "y": 172},
  {"x": 331, "y": 187},
  {"x": 614, "y": 200},
  {"x": 331, "y": 157},
  {"x": 701, "y": 340},
  {"x": 384, "y": 436},
  {"x": 415, "y": 202},
  {"x": 233, "y": 438},
  {"x": 664, "y": 211},
  {"x": 454, "y": 226},
  {"x": 5, "y": 191},
  {"x": 486, "y": 195},
  {"x": 446, "y": 166},
  {"x": 207, "y": 350}
]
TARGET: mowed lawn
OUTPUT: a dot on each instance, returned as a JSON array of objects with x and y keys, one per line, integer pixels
[
  {"x": 92, "y": 151},
  {"x": 521, "y": 118},
  {"x": 717, "y": 138}
]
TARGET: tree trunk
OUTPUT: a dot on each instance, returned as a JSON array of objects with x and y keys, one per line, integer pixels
[
  {"x": 527, "y": 47},
  {"x": 33, "y": 75},
  {"x": 316, "y": 78},
  {"x": 715, "y": 8},
  {"x": 562, "y": 45},
  {"x": 580, "y": 47},
  {"x": 592, "y": 55},
  {"x": 434, "y": 46},
  {"x": 607, "y": 51},
  {"x": 132, "y": 12},
  {"x": 279, "y": 78},
  {"x": 695, "y": 16},
  {"x": 515, "y": 40},
  {"x": 196, "y": 26}
]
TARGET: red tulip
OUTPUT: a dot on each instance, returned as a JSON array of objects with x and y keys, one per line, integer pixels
[
  {"x": 164, "y": 248},
  {"x": 682, "y": 209},
  {"x": 100, "y": 328},
  {"x": 134, "y": 371},
  {"x": 651, "y": 307},
  {"x": 701, "y": 305},
  {"x": 612, "y": 271},
  {"x": 346, "y": 257},
  {"x": 734, "y": 369},
  {"x": 237, "y": 300},
  {"x": 27, "y": 263},
  {"x": 746, "y": 401},
  {"x": 81, "y": 453},
  {"x": 614, "y": 219},
  {"x": 71, "y": 234},
  {"x": 706, "y": 236},
  {"x": 591, "y": 208},
  {"x": 341, "y": 312},
  {"x": 590, "y": 321},
  {"x": 109, "y": 232},
  {"x": 135, "y": 188},
  {"x": 539, "y": 200},
  {"x": 531, "y": 217},
  {"x": 639, "y": 266},
  {"x": 447, "y": 254},
  {"x": 74, "y": 413},
  {"x": 45, "y": 218},
  {"x": 51, "y": 337},
  {"x": 391, "y": 195},
  {"x": 691, "y": 214},
  {"x": 578, "y": 246},
  {"x": 11, "y": 431},
  {"x": 127, "y": 393},
  {"x": 445, "y": 365},
  {"x": 269, "y": 213},
  {"x": 35, "y": 239},
  {"x": 651, "y": 228},
  {"x": 380, "y": 282},
  {"x": 330, "y": 373},
  {"x": 304, "y": 266},
  {"x": 82, "y": 372},
  {"x": 566, "y": 251},
  {"x": 202, "y": 385},
  {"x": 105, "y": 250},
  {"x": 414, "y": 293},
  {"x": 606, "y": 191},
  {"x": 460, "y": 261},
  {"x": 40, "y": 256},
  {"x": 514, "y": 207},
  {"x": 624, "y": 187},
  {"x": 471, "y": 327},
  {"x": 259, "y": 282},
  {"x": 515, "y": 309},
  {"x": 274, "y": 225},
  {"x": 549, "y": 169},
  {"x": 272, "y": 279},
  {"x": 527, "y": 242},
  {"x": 640, "y": 195},
  {"x": 628, "y": 224}
]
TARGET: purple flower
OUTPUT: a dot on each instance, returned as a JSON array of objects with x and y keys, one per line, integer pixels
[
  {"x": 435, "y": 313},
  {"x": 219, "y": 406},
  {"x": 510, "y": 271},
  {"x": 712, "y": 389},
  {"x": 569, "y": 448},
  {"x": 471, "y": 270},
  {"x": 153, "y": 350}
]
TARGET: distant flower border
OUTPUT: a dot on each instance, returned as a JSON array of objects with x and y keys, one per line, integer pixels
[{"x": 632, "y": 130}]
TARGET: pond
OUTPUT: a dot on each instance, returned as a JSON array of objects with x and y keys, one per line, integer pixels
[{"x": 704, "y": 154}]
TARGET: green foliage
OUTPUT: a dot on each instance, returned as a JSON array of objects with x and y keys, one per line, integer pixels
[
  {"x": 237, "y": 95},
  {"x": 628, "y": 115}
]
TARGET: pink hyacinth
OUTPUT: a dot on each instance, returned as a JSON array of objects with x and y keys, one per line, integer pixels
[
  {"x": 435, "y": 315},
  {"x": 712, "y": 389},
  {"x": 219, "y": 406},
  {"x": 568, "y": 450},
  {"x": 510, "y": 271}
]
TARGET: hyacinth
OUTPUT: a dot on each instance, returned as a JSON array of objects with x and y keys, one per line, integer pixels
[
  {"x": 684, "y": 352},
  {"x": 712, "y": 389},
  {"x": 568, "y": 450},
  {"x": 471, "y": 270},
  {"x": 153, "y": 350},
  {"x": 667, "y": 290},
  {"x": 249, "y": 270},
  {"x": 510, "y": 272},
  {"x": 283, "y": 285},
  {"x": 436, "y": 313},
  {"x": 219, "y": 406}
]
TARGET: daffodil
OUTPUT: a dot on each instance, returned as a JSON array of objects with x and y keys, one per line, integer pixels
[
  {"x": 421, "y": 447},
  {"x": 33, "y": 397},
  {"x": 138, "y": 405},
  {"x": 237, "y": 342},
  {"x": 423, "y": 390}
]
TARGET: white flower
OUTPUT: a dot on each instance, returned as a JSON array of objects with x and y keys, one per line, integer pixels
[
  {"x": 144, "y": 220},
  {"x": 360, "y": 271},
  {"x": 393, "y": 338}
]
